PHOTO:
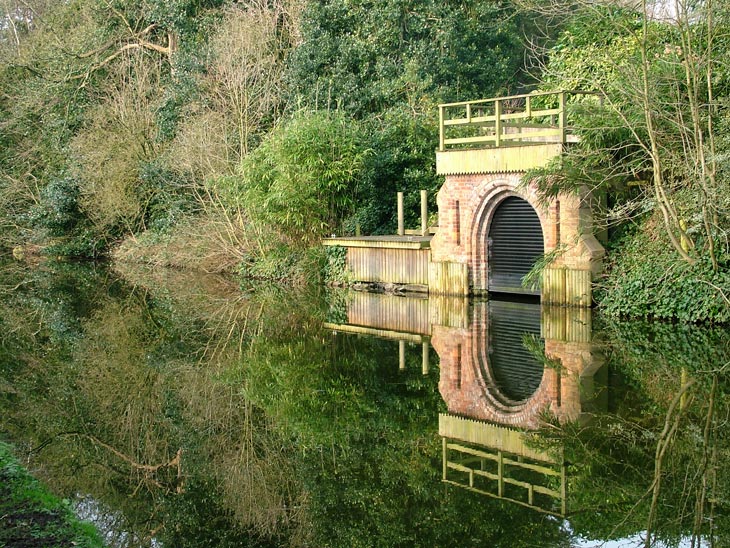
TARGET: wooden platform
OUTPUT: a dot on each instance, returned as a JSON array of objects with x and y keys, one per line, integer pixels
[
  {"x": 387, "y": 259},
  {"x": 386, "y": 241}
]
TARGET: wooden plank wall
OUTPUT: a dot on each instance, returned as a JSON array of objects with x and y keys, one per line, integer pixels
[
  {"x": 401, "y": 266},
  {"x": 389, "y": 312},
  {"x": 446, "y": 278},
  {"x": 566, "y": 286},
  {"x": 490, "y": 435}
]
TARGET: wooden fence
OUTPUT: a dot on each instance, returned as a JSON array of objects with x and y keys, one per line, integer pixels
[{"x": 528, "y": 118}]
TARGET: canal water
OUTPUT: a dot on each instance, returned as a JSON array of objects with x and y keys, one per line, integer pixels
[{"x": 175, "y": 410}]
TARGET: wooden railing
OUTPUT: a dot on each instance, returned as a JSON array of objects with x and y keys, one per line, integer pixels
[
  {"x": 499, "y": 462},
  {"x": 471, "y": 462},
  {"x": 539, "y": 117}
]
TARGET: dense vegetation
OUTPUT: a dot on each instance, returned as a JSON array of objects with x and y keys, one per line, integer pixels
[
  {"x": 159, "y": 123},
  {"x": 655, "y": 144},
  {"x": 230, "y": 136}
]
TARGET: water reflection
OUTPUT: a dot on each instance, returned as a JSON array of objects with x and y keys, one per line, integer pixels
[
  {"x": 532, "y": 408},
  {"x": 506, "y": 368},
  {"x": 288, "y": 435}
]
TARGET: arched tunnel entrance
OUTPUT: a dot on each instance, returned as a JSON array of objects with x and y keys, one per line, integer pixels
[{"x": 515, "y": 242}]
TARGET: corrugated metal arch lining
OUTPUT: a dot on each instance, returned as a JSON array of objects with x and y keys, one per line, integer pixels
[
  {"x": 516, "y": 371},
  {"x": 515, "y": 243}
]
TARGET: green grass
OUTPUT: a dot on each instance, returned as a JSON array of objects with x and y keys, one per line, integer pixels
[{"x": 32, "y": 517}]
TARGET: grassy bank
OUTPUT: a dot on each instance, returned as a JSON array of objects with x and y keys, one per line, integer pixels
[{"x": 30, "y": 516}]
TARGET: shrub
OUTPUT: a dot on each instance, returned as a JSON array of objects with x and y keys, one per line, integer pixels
[
  {"x": 58, "y": 208},
  {"x": 303, "y": 179},
  {"x": 647, "y": 279}
]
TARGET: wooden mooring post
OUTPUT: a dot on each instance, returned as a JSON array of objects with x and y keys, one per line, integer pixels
[
  {"x": 424, "y": 230},
  {"x": 424, "y": 212},
  {"x": 401, "y": 222}
]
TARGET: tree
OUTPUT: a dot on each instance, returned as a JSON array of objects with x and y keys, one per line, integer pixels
[
  {"x": 366, "y": 57},
  {"x": 663, "y": 87},
  {"x": 654, "y": 142},
  {"x": 303, "y": 179}
]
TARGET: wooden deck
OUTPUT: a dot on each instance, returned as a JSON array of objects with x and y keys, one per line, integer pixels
[
  {"x": 387, "y": 259},
  {"x": 381, "y": 242}
]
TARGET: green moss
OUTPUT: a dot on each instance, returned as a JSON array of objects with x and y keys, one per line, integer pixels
[{"x": 31, "y": 516}]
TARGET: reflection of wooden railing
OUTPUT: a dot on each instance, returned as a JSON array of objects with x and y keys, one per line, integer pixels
[
  {"x": 490, "y": 470},
  {"x": 530, "y": 118}
]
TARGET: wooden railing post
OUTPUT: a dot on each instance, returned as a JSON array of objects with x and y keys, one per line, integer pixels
[
  {"x": 424, "y": 357},
  {"x": 563, "y": 490},
  {"x": 442, "y": 113},
  {"x": 444, "y": 454},
  {"x": 500, "y": 474},
  {"x": 497, "y": 122},
  {"x": 561, "y": 118},
  {"x": 424, "y": 212},
  {"x": 401, "y": 222},
  {"x": 402, "y": 355}
]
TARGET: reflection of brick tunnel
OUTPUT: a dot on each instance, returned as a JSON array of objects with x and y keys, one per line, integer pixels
[
  {"x": 514, "y": 372},
  {"x": 487, "y": 372}
]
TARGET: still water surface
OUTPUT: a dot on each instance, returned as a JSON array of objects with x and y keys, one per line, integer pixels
[{"x": 175, "y": 410}]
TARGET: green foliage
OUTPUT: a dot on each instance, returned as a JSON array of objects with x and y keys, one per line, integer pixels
[
  {"x": 390, "y": 64},
  {"x": 281, "y": 263},
  {"x": 58, "y": 215},
  {"x": 663, "y": 287},
  {"x": 335, "y": 269},
  {"x": 87, "y": 103},
  {"x": 402, "y": 160},
  {"x": 592, "y": 48},
  {"x": 170, "y": 198},
  {"x": 84, "y": 243},
  {"x": 58, "y": 208},
  {"x": 303, "y": 179},
  {"x": 366, "y": 58},
  {"x": 533, "y": 279},
  {"x": 653, "y": 353},
  {"x": 652, "y": 144}
]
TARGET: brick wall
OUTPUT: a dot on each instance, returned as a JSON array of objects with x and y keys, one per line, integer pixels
[{"x": 466, "y": 204}]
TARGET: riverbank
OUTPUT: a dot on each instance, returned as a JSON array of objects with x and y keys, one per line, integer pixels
[{"x": 30, "y": 516}]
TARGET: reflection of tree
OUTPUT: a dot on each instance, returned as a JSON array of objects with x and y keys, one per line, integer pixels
[
  {"x": 370, "y": 457},
  {"x": 128, "y": 410},
  {"x": 290, "y": 436},
  {"x": 656, "y": 463}
]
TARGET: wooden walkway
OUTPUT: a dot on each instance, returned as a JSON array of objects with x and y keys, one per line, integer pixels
[{"x": 385, "y": 241}]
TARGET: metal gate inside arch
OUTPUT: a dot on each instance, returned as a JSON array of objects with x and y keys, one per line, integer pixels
[{"x": 515, "y": 243}]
